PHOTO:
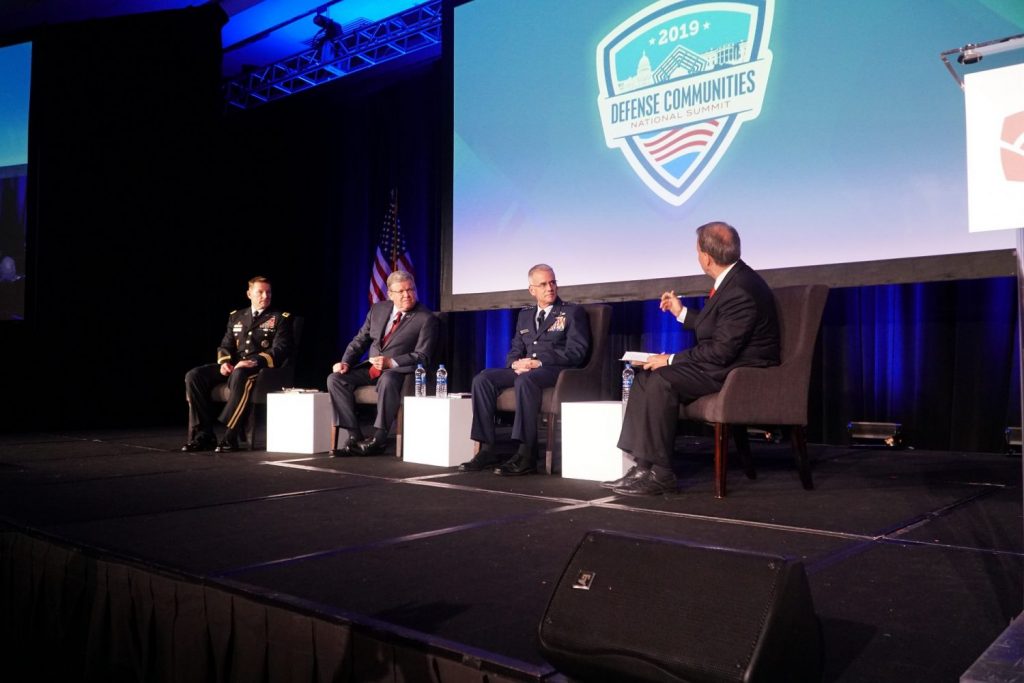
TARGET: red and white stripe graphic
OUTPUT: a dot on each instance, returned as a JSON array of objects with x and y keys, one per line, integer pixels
[{"x": 672, "y": 144}]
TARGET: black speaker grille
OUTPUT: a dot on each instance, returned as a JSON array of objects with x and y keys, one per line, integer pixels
[{"x": 694, "y": 613}]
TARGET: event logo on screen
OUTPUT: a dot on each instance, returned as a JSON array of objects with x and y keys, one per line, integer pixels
[
  {"x": 1012, "y": 147},
  {"x": 677, "y": 80}
]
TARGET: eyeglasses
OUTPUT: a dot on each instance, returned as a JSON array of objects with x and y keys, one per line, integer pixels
[
  {"x": 545, "y": 285},
  {"x": 400, "y": 292}
]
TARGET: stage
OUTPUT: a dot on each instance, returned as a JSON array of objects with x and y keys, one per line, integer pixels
[{"x": 121, "y": 559}]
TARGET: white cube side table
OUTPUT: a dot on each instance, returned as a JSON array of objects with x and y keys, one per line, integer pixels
[
  {"x": 298, "y": 422},
  {"x": 437, "y": 430},
  {"x": 590, "y": 432}
]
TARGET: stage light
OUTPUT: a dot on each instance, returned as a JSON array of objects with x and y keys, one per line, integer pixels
[
  {"x": 972, "y": 53},
  {"x": 1013, "y": 440},
  {"x": 969, "y": 55},
  {"x": 888, "y": 434}
]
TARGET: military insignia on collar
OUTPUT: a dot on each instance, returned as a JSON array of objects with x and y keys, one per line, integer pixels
[{"x": 559, "y": 324}]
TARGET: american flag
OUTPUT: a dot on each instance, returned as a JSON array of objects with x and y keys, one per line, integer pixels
[{"x": 391, "y": 254}]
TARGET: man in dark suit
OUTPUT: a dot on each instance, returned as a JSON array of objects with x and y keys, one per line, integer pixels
[
  {"x": 738, "y": 326},
  {"x": 550, "y": 337},
  {"x": 257, "y": 337},
  {"x": 399, "y": 333}
]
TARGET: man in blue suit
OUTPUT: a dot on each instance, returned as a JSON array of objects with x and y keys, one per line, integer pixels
[
  {"x": 549, "y": 338},
  {"x": 738, "y": 326}
]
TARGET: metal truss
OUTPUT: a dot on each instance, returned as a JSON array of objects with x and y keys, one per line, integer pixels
[{"x": 398, "y": 35}]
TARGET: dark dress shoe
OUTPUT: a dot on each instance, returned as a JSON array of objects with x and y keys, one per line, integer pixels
[
  {"x": 228, "y": 444},
  {"x": 648, "y": 484},
  {"x": 631, "y": 474},
  {"x": 485, "y": 459},
  {"x": 200, "y": 442},
  {"x": 350, "y": 448},
  {"x": 520, "y": 464},
  {"x": 371, "y": 446}
]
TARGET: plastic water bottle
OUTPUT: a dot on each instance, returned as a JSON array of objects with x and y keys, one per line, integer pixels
[
  {"x": 421, "y": 380},
  {"x": 627, "y": 381},
  {"x": 442, "y": 381}
]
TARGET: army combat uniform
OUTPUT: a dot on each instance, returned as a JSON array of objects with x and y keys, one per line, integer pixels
[{"x": 266, "y": 339}]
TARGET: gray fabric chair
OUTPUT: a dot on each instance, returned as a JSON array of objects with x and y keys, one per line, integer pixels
[
  {"x": 768, "y": 396},
  {"x": 268, "y": 381},
  {"x": 574, "y": 384}
]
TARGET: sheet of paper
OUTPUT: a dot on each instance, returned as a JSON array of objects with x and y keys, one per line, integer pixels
[{"x": 636, "y": 356}]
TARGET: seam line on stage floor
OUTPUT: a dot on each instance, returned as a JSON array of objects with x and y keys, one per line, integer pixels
[
  {"x": 609, "y": 502},
  {"x": 396, "y": 540}
]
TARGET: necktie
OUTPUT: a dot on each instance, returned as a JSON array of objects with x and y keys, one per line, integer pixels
[
  {"x": 540, "y": 319},
  {"x": 711, "y": 293},
  {"x": 374, "y": 372}
]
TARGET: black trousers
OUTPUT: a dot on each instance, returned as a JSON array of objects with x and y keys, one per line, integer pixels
[
  {"x": 529, "y": 389},
  {"x": 200, "y": 381},
  {"x": 649, "y": 425}
]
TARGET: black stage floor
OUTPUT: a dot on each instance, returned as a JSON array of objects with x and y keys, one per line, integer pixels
[{"x": 914, "y": 558}]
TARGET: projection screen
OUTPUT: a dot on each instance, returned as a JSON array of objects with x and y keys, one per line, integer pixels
[{"x": 595, "y": 135}]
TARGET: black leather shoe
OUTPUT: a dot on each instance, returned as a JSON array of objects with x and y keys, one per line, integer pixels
[
  {"x": 629, "y": 476},
  {"x": 485, "y": 459},
  {"x": 350, "y": 448},
  {"x": 521, "y": 463},
  {"x": 200, "y": 442},
  {"x": 648, "y": 484},
  {"x": 371, "y": 446},
  {"x": 228, "y": 444}
]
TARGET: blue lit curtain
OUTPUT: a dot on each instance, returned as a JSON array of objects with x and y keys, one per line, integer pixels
[{"x": 942, "y": 359}]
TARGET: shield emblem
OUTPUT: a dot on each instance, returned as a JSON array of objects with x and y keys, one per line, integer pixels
[{"x": 677, "y": 80}]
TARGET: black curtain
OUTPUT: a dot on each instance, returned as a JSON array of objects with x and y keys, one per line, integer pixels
[{"x": 123, "y": 115}]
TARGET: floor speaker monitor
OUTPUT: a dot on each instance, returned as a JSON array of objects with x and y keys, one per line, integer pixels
[{"x": 637, "y": 608}]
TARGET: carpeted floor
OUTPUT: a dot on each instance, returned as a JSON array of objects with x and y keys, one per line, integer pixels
[{"x": 914, "y": 558}]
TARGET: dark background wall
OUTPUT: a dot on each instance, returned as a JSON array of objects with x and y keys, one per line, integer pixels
[{"x": 150, "y": 209}]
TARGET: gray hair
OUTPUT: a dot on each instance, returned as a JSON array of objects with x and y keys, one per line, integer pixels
[{"x": 401, "y": 276}]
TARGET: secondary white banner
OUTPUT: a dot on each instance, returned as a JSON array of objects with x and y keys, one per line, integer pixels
[{"x": 995, "y": 148}]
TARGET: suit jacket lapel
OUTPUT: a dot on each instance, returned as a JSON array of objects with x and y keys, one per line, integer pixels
[{"x": 406, "y": 318}]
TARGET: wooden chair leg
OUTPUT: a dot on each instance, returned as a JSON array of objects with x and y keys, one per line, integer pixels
[
  {"x": 549, "y": 447},
  {"x": 803, "y": 464},
  {"x": 721, "y": 457},
  {"x": 399, "y": 429},
  {"x": 742, "y": 441},
  {"x": 252, "y": 426}
]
